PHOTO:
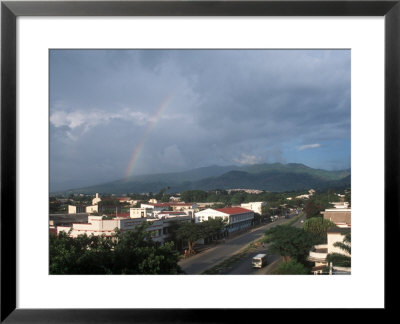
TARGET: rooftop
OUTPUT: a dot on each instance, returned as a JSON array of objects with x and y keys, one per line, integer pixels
[{"x": 234, "y": 210}]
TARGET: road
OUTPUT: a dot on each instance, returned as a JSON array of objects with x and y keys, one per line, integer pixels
[
  {"x": 214, "y": 255},
  {"x": 243, "y": 266}
]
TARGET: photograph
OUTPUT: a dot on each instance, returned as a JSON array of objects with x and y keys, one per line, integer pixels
[{"x": 199, "y": 161}]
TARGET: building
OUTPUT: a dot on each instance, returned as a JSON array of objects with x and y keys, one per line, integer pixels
[
  {"x": 76, "y": 209},
  {"x": 96, "y": 200},
  {"x": 237, "y": 218},
  {"x": 172, "y": 214},
  {"x": 338, "y": 215},
  {"x": 96, "y": 225},
  {"x": 141, "y": 212},
  {"x": 92, "y": 209},
  {"x": 249, "y": 191},
  {"x": 255, "y": 206},
  {"x": 303, "y": 197},
  {"x": 156, "y": 206},
  {"x": 67, "y": 219},
  {"x": 342, "y": 219}
]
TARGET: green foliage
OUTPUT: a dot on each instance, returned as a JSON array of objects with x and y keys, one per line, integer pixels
[
  {"x": 194, "y": 196},
  {"x": 191, "y": 232},
  {"x": 212, "y": 227},
  {"x": 290, "y": 242},
  {"x": 318, "y": 226},
  {"x": 291, "y": 267},
  {"x": 338, "y": 259},
  {"x": 131, "y": 252},
  {"x": 313, "y": 209}
]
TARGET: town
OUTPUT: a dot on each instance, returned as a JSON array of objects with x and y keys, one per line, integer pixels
[{"x": 235, "y": 231}]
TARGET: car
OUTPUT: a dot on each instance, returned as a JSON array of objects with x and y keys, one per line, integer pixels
[{"x": 302, "y": 221}]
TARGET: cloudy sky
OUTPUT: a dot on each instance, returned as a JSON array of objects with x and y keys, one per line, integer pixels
[{"x": 115, "y": 113}]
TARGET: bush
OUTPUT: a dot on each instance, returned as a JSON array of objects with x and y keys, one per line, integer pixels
[{"x": 291, "y": 267}]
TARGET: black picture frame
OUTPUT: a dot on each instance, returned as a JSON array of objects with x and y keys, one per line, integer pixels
[{"x": 10, "y": 10}]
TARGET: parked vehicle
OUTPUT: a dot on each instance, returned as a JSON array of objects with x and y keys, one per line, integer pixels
[{"x": 259, "y": 260}]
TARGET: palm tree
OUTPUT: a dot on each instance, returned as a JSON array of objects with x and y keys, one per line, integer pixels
[{"x": 339, "y": 259}]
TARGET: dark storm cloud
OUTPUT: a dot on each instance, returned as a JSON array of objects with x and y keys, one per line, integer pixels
[{"x": 225, "y": 107}]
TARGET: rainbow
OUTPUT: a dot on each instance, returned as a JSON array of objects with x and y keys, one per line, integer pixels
[{"x": 150, "y": 126}]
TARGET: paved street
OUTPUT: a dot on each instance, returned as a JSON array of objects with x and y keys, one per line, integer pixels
[
  {"x": 214, "y": 255},
  {"x": 244, "y": 266}
]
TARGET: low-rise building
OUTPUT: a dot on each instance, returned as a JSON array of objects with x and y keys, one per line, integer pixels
[
  {"x": 303, "y": 197},
  {"x": 156, "y": 206},
  {"x": 141, "y": 212},
  {"x": 342, "y": 219},
  {"x": 172, "y": 214},
  {"x": 76, "y": 209},
  {"x": 98, "y": 226},
  {"x": 338, "y": 215},
  {"x": 255, "y": 206},
  {"x": 237, "y": 218},
  {"x": 67, "y": 219},
  {"x": 92, "y": 209}
]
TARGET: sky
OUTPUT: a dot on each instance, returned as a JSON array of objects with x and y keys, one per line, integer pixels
[{"x": 116, "y": 113}]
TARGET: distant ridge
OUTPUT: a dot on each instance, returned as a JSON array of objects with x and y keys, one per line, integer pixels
[{"x": 267, "y": 176}]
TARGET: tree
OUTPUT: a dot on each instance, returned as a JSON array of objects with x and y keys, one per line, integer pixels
[
  {"x": 137, "y": 253},
  {"x": 291, "y": 267},
  {"x": 194, "y": 195},
  {"x": 190, "y": 232},
  {"x": 131, "y": 252},
  {"x": 312, "y": 209},
  {"x": 339, "y": 259},
  {"x": 213, "y": 227},
  {"x": 318, "y": 226},
  {"x": 290, "y": 242}
]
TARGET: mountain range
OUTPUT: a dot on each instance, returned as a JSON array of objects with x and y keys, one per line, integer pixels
[{"x": 275, "y": 177}]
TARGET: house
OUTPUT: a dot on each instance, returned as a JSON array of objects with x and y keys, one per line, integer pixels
[{"x": 237, "y": 218}]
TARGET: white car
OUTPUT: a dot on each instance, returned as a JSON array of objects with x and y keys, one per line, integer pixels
[{"x": 302, "y": 221}]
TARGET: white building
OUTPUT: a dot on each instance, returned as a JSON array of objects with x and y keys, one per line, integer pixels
[
  {"x": 237, "y": 218},
  {"x": 98, "y": 226},
  {"x": 96, "y": 200},
  {"x": 172, "y": 214},
  {"x": 142, "y": 212},
  {"x": 72, "y": 209},
  {"x": 255, "y": 206},
  {"x": 92, "y": 209},
  {"x": 156, "y": 207},
  {"x": 342, "y": 219},
  {"x": 303, "y": 197}
]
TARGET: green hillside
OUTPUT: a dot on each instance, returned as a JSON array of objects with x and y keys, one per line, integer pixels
[{"x": 270, "y": 177}]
